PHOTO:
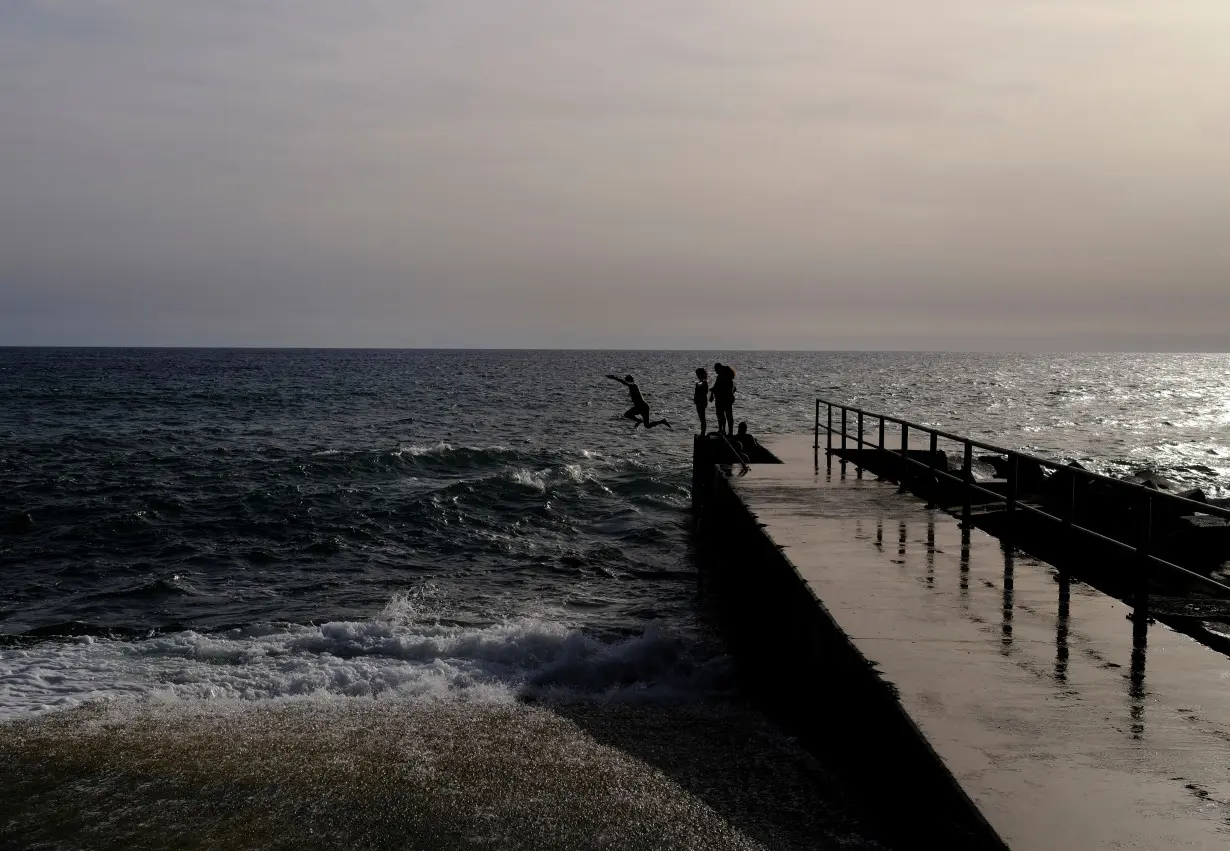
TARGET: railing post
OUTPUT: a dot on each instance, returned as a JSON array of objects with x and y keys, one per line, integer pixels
[
  {"x": 828, "y": 452},
  {"x": 815, "y": 444},
  {"x": 1146, "y": 525},
  {"x": 1010, "y": 499},
  {"x": 843, "y": 434},
  {"x": 881, "y": 456},
  {"x": 1144, "y": 547},
  {"x": 905, "y": 454},
  {"x": 967, "y": 473},
  {"x": 935, "y": 448},
  {"x": 1013, "y": 469},
  {"x": 1070, "y": 517},
  {"x": 860, "y": 444}
]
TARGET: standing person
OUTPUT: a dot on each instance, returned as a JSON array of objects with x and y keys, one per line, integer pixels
[
  {"x": 723, "y": 396},
  {"x": 640, "y": 408},
  {"x": 700, "y": 395}
]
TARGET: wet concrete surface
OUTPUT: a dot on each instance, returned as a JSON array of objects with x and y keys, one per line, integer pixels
[
  {"x": 358, "y": 773},
  {"x": 1068, "y": 726}
]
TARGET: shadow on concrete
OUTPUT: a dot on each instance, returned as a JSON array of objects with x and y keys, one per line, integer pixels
[
  {"x": 741, "y": 765},
  {"x": 726, "y": 753}
]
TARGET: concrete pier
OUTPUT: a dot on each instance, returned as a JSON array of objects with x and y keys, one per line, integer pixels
[{"x": 1004, "y": 701}]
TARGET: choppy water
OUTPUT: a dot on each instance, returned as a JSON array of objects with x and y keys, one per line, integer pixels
[
  {"x": 271, "y": 522},
  {"x": 196, "y": 527}
]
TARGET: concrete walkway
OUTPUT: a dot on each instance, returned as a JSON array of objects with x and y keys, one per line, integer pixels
[{"x": 1066, "y": 730}]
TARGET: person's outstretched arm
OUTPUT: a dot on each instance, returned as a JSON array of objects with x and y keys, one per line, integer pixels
[{"x": 617, "y": 378}]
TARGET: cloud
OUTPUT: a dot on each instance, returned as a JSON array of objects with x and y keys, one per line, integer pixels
[{"x": 542, "y": 173}]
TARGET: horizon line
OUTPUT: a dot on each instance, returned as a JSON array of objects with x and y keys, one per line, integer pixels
[{"x": 297, "y": 348}]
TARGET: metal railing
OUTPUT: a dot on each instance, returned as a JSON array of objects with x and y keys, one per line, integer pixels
[{"x": 1146, "y": 499}]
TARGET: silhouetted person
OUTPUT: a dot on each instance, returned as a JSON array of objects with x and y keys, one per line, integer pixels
[
  {"x": 723, "y": 396},
  {"x": 744, "y": 441},
  {"x": 700, "y": 395},
  {"x": 639, "y": 412}
]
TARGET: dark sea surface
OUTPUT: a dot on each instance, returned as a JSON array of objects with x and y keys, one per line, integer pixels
[
  {"x": 265, "y": 522},
  {"x": 195, "y": 532}
]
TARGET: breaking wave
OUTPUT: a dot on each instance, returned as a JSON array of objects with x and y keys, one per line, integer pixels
[{"x": 398, "y": 654}]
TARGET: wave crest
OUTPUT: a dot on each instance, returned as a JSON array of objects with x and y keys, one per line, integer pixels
[{"x": 400, "y": 654}]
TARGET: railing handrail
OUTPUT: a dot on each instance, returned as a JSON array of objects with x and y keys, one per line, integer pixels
[
  {"x": 1148, "y": 495},
  {"x": 1079, "y": 472}
]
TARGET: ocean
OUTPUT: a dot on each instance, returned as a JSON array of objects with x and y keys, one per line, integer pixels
[{"x": 424, "y": 562}]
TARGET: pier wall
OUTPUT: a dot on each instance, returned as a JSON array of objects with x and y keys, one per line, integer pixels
[{"x": 805, "y": 672}]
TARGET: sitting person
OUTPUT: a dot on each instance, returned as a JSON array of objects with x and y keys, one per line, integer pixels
[{"x": 743, "y": 441}]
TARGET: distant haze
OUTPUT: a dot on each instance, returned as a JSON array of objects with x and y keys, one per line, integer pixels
[{"x": 1004, "y": 174}]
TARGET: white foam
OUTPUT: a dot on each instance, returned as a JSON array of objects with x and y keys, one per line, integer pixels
[
  {"x": 540, "y": 480},
  {"x": 444, "y": 448},
  {"x": 416, "y": 451},
  {"x": 396, "y": 654},
  {"x": 534, "y": 481}
]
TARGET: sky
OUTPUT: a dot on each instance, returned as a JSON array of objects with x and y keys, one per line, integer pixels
[{"x": 690, "y": 174}]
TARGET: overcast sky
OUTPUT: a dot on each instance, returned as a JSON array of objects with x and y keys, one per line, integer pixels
[{"x": 946, "y": 174}]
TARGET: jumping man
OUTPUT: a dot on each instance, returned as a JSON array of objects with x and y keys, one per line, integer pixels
[{"x": 639, "y": 412}]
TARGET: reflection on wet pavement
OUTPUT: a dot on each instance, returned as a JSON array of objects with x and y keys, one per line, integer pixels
[{"x": 1029, "y": 683}]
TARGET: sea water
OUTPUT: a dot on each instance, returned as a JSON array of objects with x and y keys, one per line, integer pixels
[{"x": 254, "y": 549}]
